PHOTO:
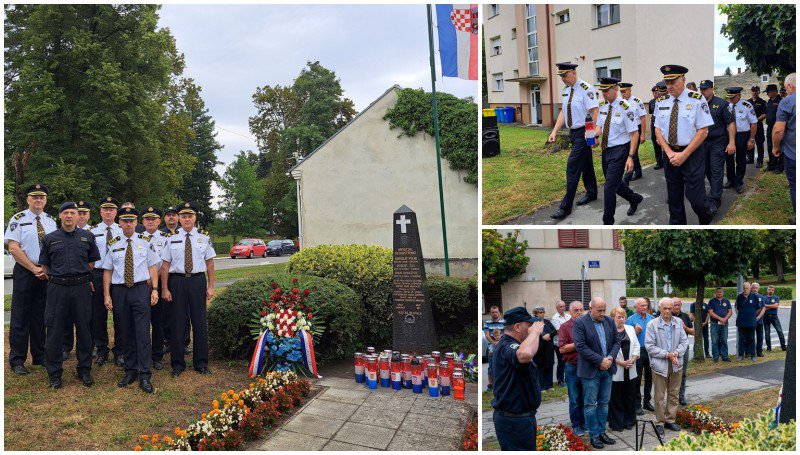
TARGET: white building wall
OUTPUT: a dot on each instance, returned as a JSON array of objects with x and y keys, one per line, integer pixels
[{"x": 507, "y": 62}]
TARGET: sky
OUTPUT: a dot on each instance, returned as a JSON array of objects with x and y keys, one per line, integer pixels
[
  {"x": 232, "y": 49},
  {"x": 723, "y": 58}
]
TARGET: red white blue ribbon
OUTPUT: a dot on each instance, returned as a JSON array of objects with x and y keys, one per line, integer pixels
[
  {"x": 307, "y": 350},
  {"x": 258, "y": 360}
]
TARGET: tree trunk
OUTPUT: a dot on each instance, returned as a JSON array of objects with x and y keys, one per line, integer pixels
[
  {"x": 756, "y": 268},
  {"x": 699, "y": 355},
  {"x": 779, "y": 266}
]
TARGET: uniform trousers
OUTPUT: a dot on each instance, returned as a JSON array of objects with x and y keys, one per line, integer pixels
[
  {"x": 157, "y": 321},
  {"x": 614, "y": 159},
  {"x": 168, "y": 315},
  {"x": 515, "y": 431},
  {"x": 666, "y": 390},
  {"x": 28, "y": 301},
  {"x": 715, "y": 167},
  {"x": 772, "y": 320},
  {"x": 659, "y": 154},
  {"x": 748, "y": 341},
  {"x": 133, "y": 307},
  {"x": 637, "y": 166},
  {"x": 687, "y": 178},
  {"x": 579, "y": 165},
  {"x": 737, "y": 163},
  {"x": 69, "y": 333},
  {"x": 759, "y": 145},
  {"x": 760, "y": 337},
  {"x": 100, "y": 319},
  {"x": 189, "y": 301},
  {"x": 63, "y": 301}
]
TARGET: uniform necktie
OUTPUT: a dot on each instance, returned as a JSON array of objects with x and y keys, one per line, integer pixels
[
  {"x": 129, "y": 265},
  {"x": 569, "y": 108},
  {"x": 39, "y": 230},
  {"x": 108, "y": 235},
  {"x": 606, "y": 127},
  {"x": 188, "y": 265},
  {"x": 673, "y": 125}
]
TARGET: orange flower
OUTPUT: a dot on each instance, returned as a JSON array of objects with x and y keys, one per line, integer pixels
[
  {"x": 251, "y": 386},
  {"x": 155, "y": 438},
  {"x": 223, "y": 396},
  {"x": 241, "y": 402},
  {"x": 138, "y": 448},
  {"x": 230, "y": 392},
  {"x": 146, "y": 437}
]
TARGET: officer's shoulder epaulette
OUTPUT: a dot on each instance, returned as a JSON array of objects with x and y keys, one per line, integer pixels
[
  {"x": 584, "y": 86},
  {"x": 746, "y": 104},
  {"x": 203, "y": 232},
  {"x": 661, "y": 98},
  {"x": 48, "y": 215},
  {"x": 113, "y": 241},
  {"x": 166, "y": 234},
  {"x": 602, "y": 103},
  {"x": 636, "y": 99},
  {"x": 19, "y": 215},
  {"x": 695, "y": 95},
  {"x": 145, "y": 236},
  {"x": 624, "y": 104}
]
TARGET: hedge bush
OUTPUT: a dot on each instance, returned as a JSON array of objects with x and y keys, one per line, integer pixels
[
  {"x": 231, "y": 312},
  {"x": 751, "y": 435},
  {"x": 783, "y": 292},
  {"x": 454, "y": 302}
]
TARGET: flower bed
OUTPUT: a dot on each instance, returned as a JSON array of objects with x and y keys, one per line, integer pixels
[
  {"x": 559, "y": 438},
  {"x": 237, "y": 417},
  {"x": 698, "y": 419},
  {"x": 759, "y": 433},
  {"x": 470, "y": 441}
]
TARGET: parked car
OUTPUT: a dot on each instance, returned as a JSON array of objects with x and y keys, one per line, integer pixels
[
  {"x": 8, "y": 264},
  {"x": 280, "y": 247},
  {"x": 248, "y": 248}
]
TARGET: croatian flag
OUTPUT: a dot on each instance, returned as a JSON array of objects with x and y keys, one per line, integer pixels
[
  {"x": 458, "y": 40},
  {"x": 307, "y": 350},
  {"x": 259, "y": 355}
]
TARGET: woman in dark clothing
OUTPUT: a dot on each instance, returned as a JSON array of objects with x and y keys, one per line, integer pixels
[
  {"x": 545, "y": 356},
  {"x": 622, "y": 406}
]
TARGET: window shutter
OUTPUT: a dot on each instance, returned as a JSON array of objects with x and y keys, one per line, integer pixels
[
  {"x": 573, "y": 238},
  {"x": 581, "y": 238},
  {"x": 617, "y": 243},
  {"x": 571, "y": 291}
]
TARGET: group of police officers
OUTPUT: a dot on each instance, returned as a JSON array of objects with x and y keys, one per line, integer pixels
[
  {"x": 696, "y": 136},
  {"x": 69, "y": 277}
]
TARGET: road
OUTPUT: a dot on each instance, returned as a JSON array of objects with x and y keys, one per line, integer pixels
[{"x": 220, "y": 263}]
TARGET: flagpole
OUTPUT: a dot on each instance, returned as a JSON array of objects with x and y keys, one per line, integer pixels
[{"x": 436, "y": 136}]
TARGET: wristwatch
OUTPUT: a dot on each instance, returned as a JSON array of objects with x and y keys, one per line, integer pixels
[
  {"x": 751, "y": 139},
  {"x": 631, "y": 156}
]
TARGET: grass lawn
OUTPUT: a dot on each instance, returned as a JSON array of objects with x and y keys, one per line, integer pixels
[
  {"x": 255, "y": 271},
  {"x": 738, "y": 407},
  {"x": 550, "y": 394},
  {"x": 105, "y": 417},
  {"x": 525, "y": 177},
  {"x": 791, "y": 282},
  {"x": 769, "y": 203},
  {"x": 7, "y": 302},
  {"x": 710, "y": 367}
]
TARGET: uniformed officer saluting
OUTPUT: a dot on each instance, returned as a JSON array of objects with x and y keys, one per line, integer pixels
[
  {"x": 719, "y": 143},
  {"x": 24, "y": 236},
  {"x": 639, "y": 115},
  {"x": 745, "y": 133},
  {"x": 151, "y": 218},
  {"x": 682, "y": 122},
  {"x": 619, "y": 139},
  {"x": 127, "y": 267},
  {"x": 516, "y": 390},
  {"x": 187, "y": 257},
  {"x": 68, "y": 256},
  {"x": 82, "y": 220},
  {"x": 577, "y": 99}
]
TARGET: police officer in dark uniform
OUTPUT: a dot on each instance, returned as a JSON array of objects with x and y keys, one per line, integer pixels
[
  {"x": 775, "y": 162},
  {"x": 24, "y": 236},
  {"x": 720, "y": 143},
  {"x": 746, "y": 129},
  {"x": 68, "y": 256},
  {"x": 128, "y": 267},
  {"x": 151, "y": 218},
  {"x": 187, "y": 257},
  {"x": 82, "y": 222},
  {"x": 516, "y": 389},
  {"x": 638, "y": 105},
  {"x": 577, "y": 100},
  {"x": 760, "y": 106},
  {"x": 172, "y": 226},
  {"x": 682, "y": 123},
  {"x": 651, "y": 108}
]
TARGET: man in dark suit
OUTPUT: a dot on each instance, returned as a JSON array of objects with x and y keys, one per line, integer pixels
[{"x": 597, "y": 345}]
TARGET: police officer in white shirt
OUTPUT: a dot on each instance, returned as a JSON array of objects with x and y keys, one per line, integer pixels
[
  {"x": 682, "y": 122},
  {"x": 151, "y": 218},
  {"x": 129, "y": 264},
  {"x": 23, "y": 236},
  {"x": 638, "y": 105},
  {"x": 746, "y": 128},
  {"x": 577, "y": 99},
  {"x": 187, "y": 257},
  {"x": 618, "y": 139},
  {"x": 103, "y": 232}
]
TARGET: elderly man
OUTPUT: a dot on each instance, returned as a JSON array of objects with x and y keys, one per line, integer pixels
[
  {"x": 566, "y": 346},
  {"x": 746, "y": 313},
  {"x": 784, "y": 134},
  {"x": 666, "y": 342},
  {"x": 597, "y": 344},
  {"x": 639, "y": 320},
  {"x": 557, "y": 320},
  {"x": 688, "y": 327},
  {"x": 489, "y": 326}
]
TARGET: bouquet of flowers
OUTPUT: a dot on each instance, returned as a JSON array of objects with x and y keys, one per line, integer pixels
[
  {"x": 558, "y": 438},
  {"x": 470, "y": 367},
  {"x": 699, "y": 418}
]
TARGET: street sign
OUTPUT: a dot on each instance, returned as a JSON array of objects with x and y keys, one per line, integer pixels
[{"x": 594, "y": 264}]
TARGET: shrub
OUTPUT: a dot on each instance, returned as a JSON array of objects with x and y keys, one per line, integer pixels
[
  {"x": 751, "y": 435},
  {"x": 367, "y": 270},
  {"x": 783, "y": 292},
  {"x": 230, "y": 314}
]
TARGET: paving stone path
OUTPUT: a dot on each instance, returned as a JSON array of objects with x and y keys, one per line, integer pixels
[{"x": 348, "y": 416}]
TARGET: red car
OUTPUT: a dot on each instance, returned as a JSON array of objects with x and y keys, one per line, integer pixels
[{"x": 248, "y": 248}]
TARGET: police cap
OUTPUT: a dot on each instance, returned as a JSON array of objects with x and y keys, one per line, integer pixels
[
  {"x": 771, "y": 88},
  {"x": 755, "y": 88},
  {"x": 109, "y": 201},
  {"x": 517, "y": 315},
  {"x": 187, "y": 207},
  {"x": 731, "y": 91},
  {"x": 83, "y": 206},
  {"x": 67, "y": 205},
  {"x": 151, "y": 212},
  {"x": 608, "y": 82},
  {"x": 171, "y": 209},
  {"x": 37, "y": 189},
  {"x": 128, "y": 213},
  {"x": 673, "y": 71},
  {"x": 564, "y": 67},
  {"x": 704, "y": 84}
]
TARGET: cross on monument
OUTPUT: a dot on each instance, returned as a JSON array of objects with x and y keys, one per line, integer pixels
[{"x": 403, "y": 222}]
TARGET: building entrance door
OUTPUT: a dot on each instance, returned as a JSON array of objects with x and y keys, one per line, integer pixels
[{"x": 536, "y": 105}]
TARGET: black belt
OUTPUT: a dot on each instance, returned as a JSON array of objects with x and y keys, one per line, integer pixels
[
  {"x": 511, "y": 414},
  {"x": 678, "y": 149},
  {"x": 186, "y": 275},
  {"x": 134, "y": 284},
  {"x": 70, "y": 280},
  {"x": 577, "y": 129}
]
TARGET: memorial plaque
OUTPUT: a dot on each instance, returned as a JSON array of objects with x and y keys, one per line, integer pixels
[{"x": 412, "y": 328}]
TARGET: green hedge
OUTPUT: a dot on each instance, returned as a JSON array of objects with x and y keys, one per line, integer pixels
[
  {"x": 454, "y": 302},
  {"x": 231, "y": 312},
  {"x": 783, "y": 292},
  {"x": 222, "y": 248},
  {"x": 751, "y": 435}
]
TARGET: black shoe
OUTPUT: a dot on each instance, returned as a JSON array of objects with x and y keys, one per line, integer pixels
[
  {"x": 55, "y": 383},
  {"x": 778, "y": 171},
  {"x": 716, "y": 360},
  {"x": 488, "y": 387},
  {"x": 682, "y": 401},
  {"x": 761, "y": 355},
  {"x": 739, "y": 189},
  {"x": 562, "y": 384},
  {"x": 758, "y": 165},
  {"x": 649, "y": 406},
  {"x": 769, "y": 349},
  {"x": 176, "y": 373},
  {"x": 101, "y": 360},
  {"x": 606, "y": 439},
  {"x": 634, "y": 206},
  {"x": 203, "y": 371},
  {"x": 640, "y": 412},
  {"x": 21, "y": 370},
  {"x": 166, "y": 347},
  {"x": 585, "y": 200},
  {"x": 560, "y": 214},
  {"x": 127, "y": 380},
  {"x": 145, "y": 385},
  {"x": 119, "y": 361},
  {"x": 187, "y": 350},
  {"x": 672, "y": 426},
  {"x": 728, "y": 184},
  {"x": 86, "y": 379},
  {"x": 65, "y": 356},
  {"x": 660, "y": 430},
  {"x": 658, "y": 166},
  {"x": 596, "y": 442},
  {"x": 726, "y": 359},
  {"x": 749, "y": 161},
  {"x": 37, "y": 362},
  {"x": 158, "y": 365},
  {"x": 628, "y": 427},
  {"x": 618, "y": 430},
  {"x": 636, "y": 177}
]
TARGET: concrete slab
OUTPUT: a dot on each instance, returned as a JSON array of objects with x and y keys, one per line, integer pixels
[
  {"x": 442, "y": 408},
  {"x": 398, "y": 402},
  {"x": 407, "y": 441},
  {"x": 309, "y": 424},
  {"x": 380, "y": 417},
  {"x": 365, "y": 435},
  {"x": 330, "y": 409},
  {"x": 435, "y": 426},
  {"x": 345, "y": 447},
  {"x": 282, "y": 440},
  {"x": 349, "y": 396}
]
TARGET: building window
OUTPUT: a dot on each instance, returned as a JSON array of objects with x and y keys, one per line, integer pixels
[
  {"x": 573, "y": 238},
  {"x": 494, "y": 10},
  {"x": 616, "y": 237},
  {"x": 571, "y": 291},
  {"x": 765, "y": 78},
  {"x": 514, "y": 33},
  {"x": 496, "y": 46},
  {"x": 533, "y": 40},
  {"x": 562, "y": 17},
  {"x": 608, "y": 67},
  {"x": 606, "y": 14},
  {"x": 498, "y": 82}
]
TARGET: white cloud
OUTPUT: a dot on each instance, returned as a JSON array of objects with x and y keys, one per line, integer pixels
[{"x": 723, "y": 58}]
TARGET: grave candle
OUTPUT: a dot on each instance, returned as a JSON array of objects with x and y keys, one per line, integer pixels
[
  {"x": 396, "y": 371},
  {"x": 383, "y": 364},
  {"x": 433, "y": 380},
  {"x": 359, "y": 368},
  {"x": 416, "y": 375},
  {"x": 372, "y": 372},
  {"x": 458, "y": 385},
  {"x": 406, "y": 361},
  {"x": 444, "y": 377}
]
